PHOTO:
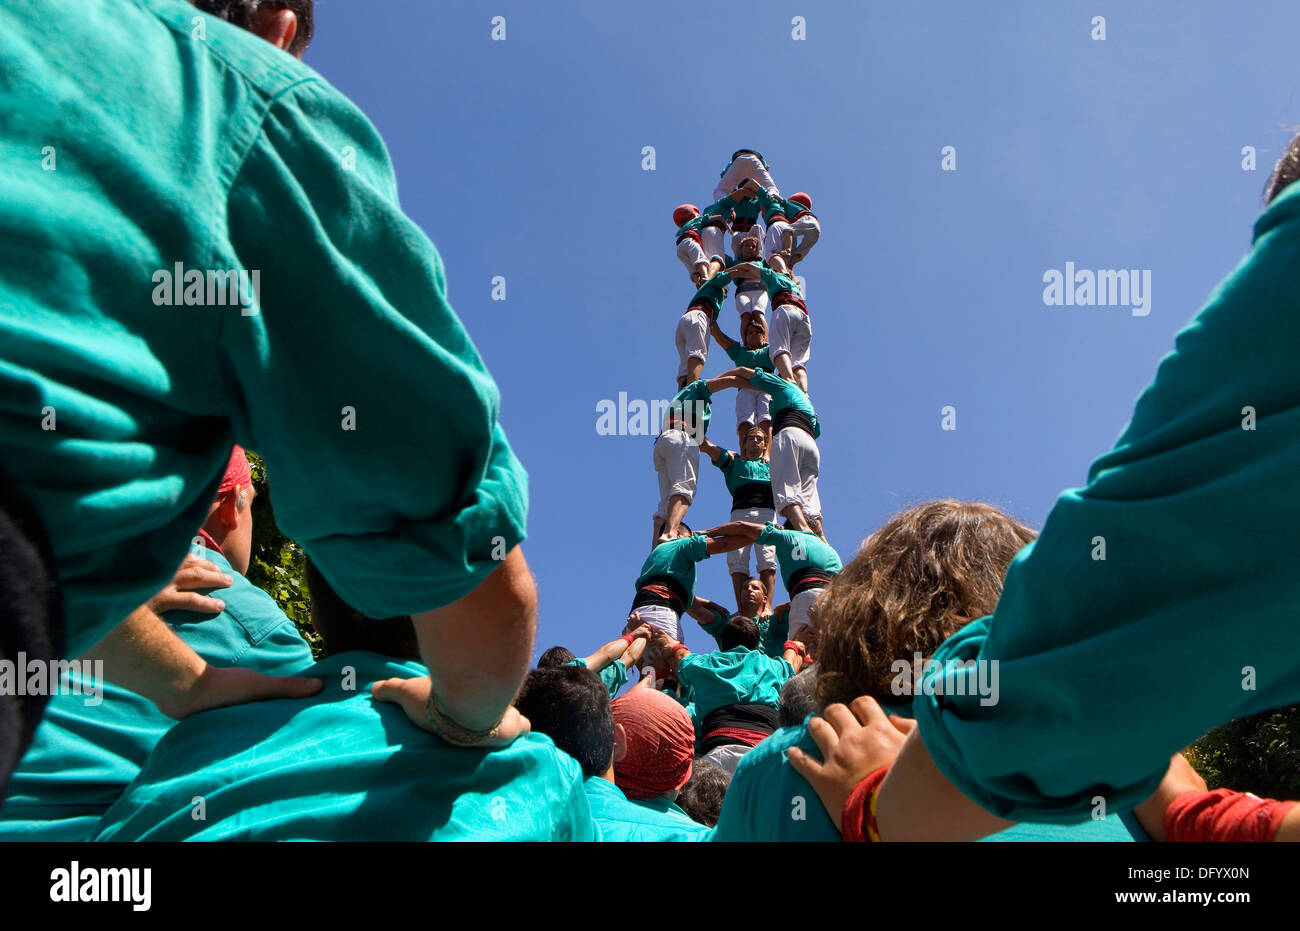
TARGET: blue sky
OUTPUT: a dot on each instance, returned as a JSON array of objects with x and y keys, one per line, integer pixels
[{"x": 522, "y": 158}]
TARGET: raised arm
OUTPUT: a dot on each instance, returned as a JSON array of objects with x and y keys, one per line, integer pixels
[
  {"x": 612, "y": 651},
  {"x": 737, "y": 528},
  {"x": 713, "y": 451},
  {"x": 736, "y": 378},
  {"x": 724, "y": 341},
  {"x": 706, "y": 611}
]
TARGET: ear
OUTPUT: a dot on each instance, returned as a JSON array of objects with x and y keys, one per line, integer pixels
[
  {"x": 228, "y": 511},
  {"x": 279, "y": 27},
  {"x": 620, "y": 744}
]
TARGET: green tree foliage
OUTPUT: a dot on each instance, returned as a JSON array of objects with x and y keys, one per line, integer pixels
[
  {"x": 1259, "y": 754},
  {"x": 278, "y": 565}
]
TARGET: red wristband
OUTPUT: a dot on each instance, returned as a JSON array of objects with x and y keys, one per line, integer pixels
[
  {"x": 629, "y": 638},
  {"x": 793, "y": 645},
  {"x": 858, "y": 823},
  {"x": 1223, "y": 815},
  {"x": 681, "y": 646}
]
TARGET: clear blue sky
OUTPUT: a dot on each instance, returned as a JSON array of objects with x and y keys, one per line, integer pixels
[{"x": 522, "y": 158}]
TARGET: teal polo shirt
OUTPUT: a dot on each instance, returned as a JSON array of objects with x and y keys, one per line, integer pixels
[
  {"x": 621, "y": 820},
  {"x": 614, "y": 674},
  {"x": 729, "y": 677},
  {"x": 341, "y": 766},
  {"x": 83, "y": 756}
]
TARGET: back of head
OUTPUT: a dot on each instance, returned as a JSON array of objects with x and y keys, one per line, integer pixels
[
  {"x": 921, "y": 577},
  {"x": 341, "y": 628},
  {"x": 555, "y": 656},
  {"x": 570, "y": 705},
  {"x": 798, "y": 698},
  {"x": 245, "y": 14},
  {"x": 660, "y": 744},
  {"x": 740, "y": 631},
  {"x": 701, "y": 797},
  {"x": 1285, "y": 173}
]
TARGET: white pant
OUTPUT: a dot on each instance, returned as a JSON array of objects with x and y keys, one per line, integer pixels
[
  {"x": 790, "y": 332},
  {"x": 754, "y": 299},
  {"x": 795, "y": 462},
  {"x": 764, "y": 556},
  {"x": 752, "y": 406},
  {"x": 727, "y": 756},
  {"x": 806, "y": 231},
  {"x": 691, "y": 252},
  {"x": 677, "y": 463},
  {"x": 744, "y": 166},
  {"x": 773, "y": 242},
  {"x": 800, "y": 606},
  {"x": 712, "y": 239},
  {"x": 662, "y": 617},
  {"x": 692, "y": 338}
]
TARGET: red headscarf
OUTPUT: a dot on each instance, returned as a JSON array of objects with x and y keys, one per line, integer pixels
[
  {"x": 238, "y": 474},
  {"x": 660, "y": 744}
]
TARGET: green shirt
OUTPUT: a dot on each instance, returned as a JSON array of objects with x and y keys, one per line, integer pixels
[
  {"x": 722, "y": 208},
  {"x": 712, "y": 293},
  {"x": 773, "y": 630},
  {"x": 737, "y": 471},
  {"x": 730, "y": 677},
  {"x": 768, "y": 800},
  {"x": 774, "y": 206},
  {"x": 691, "y": 405},
  {"x": 785, "y": 394},
  {"x": 614, "y": 674},
  {"x": 621, "y": 820},
  {"x": 676, "y": 559},
  {"x": 224, "y": 153},
  {"x": 83, "y": 756},
  {"x": 1193, "y": 607},
  {"x": 751, "y": 358},
  {"x": 776, "y": 283},
  {"x": 341, "y": 766},
  {"x": 796, "y": 551}
]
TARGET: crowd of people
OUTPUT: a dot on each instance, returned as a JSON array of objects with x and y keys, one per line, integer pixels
[{"x": 859, "y": 708}]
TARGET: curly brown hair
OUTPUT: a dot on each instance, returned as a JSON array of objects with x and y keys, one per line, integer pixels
[{"x": 921, "y": 577}]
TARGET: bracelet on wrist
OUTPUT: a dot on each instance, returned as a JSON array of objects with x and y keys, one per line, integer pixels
[
  {"x": 453, "y": 732},
  {"x": 858, "y": 822}
]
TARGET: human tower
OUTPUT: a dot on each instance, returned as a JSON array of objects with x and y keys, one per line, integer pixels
[{"x": 772, "y": 476}]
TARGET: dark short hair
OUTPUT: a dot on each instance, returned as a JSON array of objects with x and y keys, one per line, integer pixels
[
  {"x": 242, "y": 13},
  {"x": 740, "y": 631},
  {"x": 555, "y": 656},
  {"x": 701, "y": 797},
  {"x": 570, "y": 705},
  {"x": 1285, "y": 173},
  {"x": 798, "y": 698},
  {"x": 343, "y": 628}
]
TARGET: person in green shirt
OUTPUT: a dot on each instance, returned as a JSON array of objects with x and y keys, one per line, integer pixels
[
  {"x": 666, "y": 586},
  {"x": 676, "y": 453},
  {"x": 85, "y": 753},
  {"x": 745, "y": 164},
  {"x": 659, "y": 755},
  {"x": 340, "y": 765},
  {"x": 751, "y": 296},
  {"x": 790, "y": 345},
  {"x": 749, "y": 481},
  {"x": 735, "y": 690},
  {"x": 773, "y": 628},
  {"x": 792, "y": 229},
  {"x": 566, "y": 705},
  {"x": 700, "y": 234},
  {"x": 104, "y": 299},
  {"x": 752, "y": 405},
  {"x": 692, "y": 335},
  {"x": 611, "y": 662},
  {"x": 1213, "y": 444}
]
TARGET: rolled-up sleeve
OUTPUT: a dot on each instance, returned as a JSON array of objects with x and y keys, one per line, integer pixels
[
  {"x": 355, "y": 379},
  {"x": 1159, "y": 600}
]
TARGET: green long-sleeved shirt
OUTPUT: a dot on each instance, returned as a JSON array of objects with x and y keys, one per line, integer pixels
[
  {"x": 776, "y": 283},
  {"x": 729, "y": 677},
  {"x": 712, "y": 293},
  {"x": 751, "y": 358},
  {"x": 737, "y": 471},
  {"x": 786, "y": 394},
  {"x": 676, "y": 559},
  {"x": 773, "y": 630},
  {"x": 224, "y": 153},
  {"x": 621, "y": 820},
  {"x": 796, "y": 551},
  {"x": 692, "y": 406},
  {"x": 1192, "y": 607},
  {"x": 614, "y": 674},
  {"x": 773, "y": 206}
]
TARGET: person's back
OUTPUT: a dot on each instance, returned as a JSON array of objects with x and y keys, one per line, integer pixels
[
  {"x": 341, "y": 766},
  {"x": 740, "y": 675},
  {"x": 85, "y": 754}
]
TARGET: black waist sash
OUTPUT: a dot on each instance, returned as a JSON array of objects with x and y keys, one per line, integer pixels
[
  {"x": 675, "y": 598},
  {"x": 790, "y": 417},
  {"x": 746, "y": 716},
  {"x": 753, "y": 495}
]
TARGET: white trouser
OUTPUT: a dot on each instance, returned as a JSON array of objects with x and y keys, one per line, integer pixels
[
  {"x": 727, "y": 756},
  {"x": 744, "y": 166},
  {"x": 677, "y": 463},
  {"x": 752, "y": 406},
  {"x": 800, "y": 607},
  {"x": 692, "y": 338},
  {"x": 753, "y": 299},
  {"x": 806, "y": 232},
  {"x": 790, "y": 331},
  {"x": 764, "y": 556},
  {"x": 691, "y": 253},
  {"x": 774, "y": 240},
  {"x": 712, "y": 238},
  {"x": 795, "y": 463},
  {"x": 662, "y": 617}
]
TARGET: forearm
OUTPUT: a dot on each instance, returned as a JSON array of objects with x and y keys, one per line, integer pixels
[
  {"x": 478, "y": 648},
  {"x": 144, "y": 655},
  {"x": 703, "y": 610},
  {"x": 607, "y": 654},
  {"x": 918, "y": 803}
]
